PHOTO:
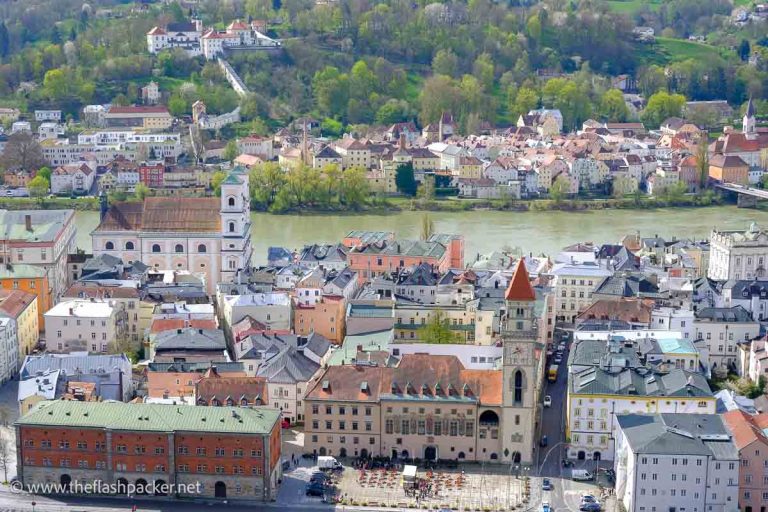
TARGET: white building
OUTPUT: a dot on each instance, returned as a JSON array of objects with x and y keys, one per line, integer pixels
[
  {"x": 72, "y": 179},
  {"x": 95, "y": 325},
  {"x": 751, "y": 295},
  {"x": 205, "y": 236},
  {"x": 9, "y": 348},
  {"x": 50, "y": 131},
  {"x": 184, "y": 35},
  {"x": 720, "y": 330},
  {"x": 271, "y": 309},
  {"x": 572, "y": 289},
  {"x": 47, "y": 115},
  {"x": 674, "y": 319},
  {"x": 671, "y": 462},
  {"x": 738, "y": 254}
]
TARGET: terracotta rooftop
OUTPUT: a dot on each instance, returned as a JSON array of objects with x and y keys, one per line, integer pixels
[
  {"x": 167, "y": 324},
  {"x": 89, "y": 290},
  {"x": 13, "y": 302},
  {"x": 628, "y": 310},
  {"x": 164, "y": 214},
  {"x": 115, "y": 109},
  {"x": 520, "y": 288},
  {"x": 746, "y": 429},
  {"x": 214, "y": 387}
]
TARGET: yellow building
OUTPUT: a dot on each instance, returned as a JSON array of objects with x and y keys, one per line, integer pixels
[
  {"x": 22, "y": 307},
  {"x": 470, "y": 168}
]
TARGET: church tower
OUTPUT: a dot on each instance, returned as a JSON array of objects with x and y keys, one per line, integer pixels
[
  {"x": 748, "y": 124},
  {"x": 236, "y": 249},
  {"x": 520, "y": 368}
]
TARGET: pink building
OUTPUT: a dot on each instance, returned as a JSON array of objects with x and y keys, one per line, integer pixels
[{"x": 749, "y": 435}]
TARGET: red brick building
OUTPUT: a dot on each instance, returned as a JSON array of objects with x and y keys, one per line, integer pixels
[
  {"x": 179, "y": 451},
  {"x": 152, "y": 175}
]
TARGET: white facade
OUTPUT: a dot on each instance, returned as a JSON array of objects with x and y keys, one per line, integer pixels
[
  {"x": 738, "y": 254},
  {"x": 673, "y": 319},
  {"x": 572, "y": 289},
  {"x": 93, "y": 325},
  {"x": 271, "y": 309},
  {"x": 47, "y": 115},
  {"x": 690, "y": 480},
  {"x": 9, "y": 348},
  {"x": 721, "y": 339}
]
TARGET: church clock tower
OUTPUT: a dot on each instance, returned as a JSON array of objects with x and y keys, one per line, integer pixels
[
  {"x": 236, "y": 249},
  {"x": 521, "y": 369}
]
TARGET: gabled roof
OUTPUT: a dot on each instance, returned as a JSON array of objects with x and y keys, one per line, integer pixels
[{"x": 520, "y": 288}]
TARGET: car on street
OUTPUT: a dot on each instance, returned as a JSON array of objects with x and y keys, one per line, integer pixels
[
  {"x": 545, "y": 507},
  {"x": 561, "y": 347},
  {"x": 588, "y": 498},
  {"x": 558, "y": 358},
  {"x": 544, "y": 441},
  {"x": 315, "y": 490},
  {"x": 546, "y": 484},
  {"x": 590, "y": 507},
  {"x": 318, "y": 477},
  {"x": 547, "y": 401}
]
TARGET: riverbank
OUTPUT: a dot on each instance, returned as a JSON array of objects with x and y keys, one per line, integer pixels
[{"x": 382, "y": 206}]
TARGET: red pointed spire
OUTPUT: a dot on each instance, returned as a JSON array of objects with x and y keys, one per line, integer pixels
[{"x": 520, "y": 288}]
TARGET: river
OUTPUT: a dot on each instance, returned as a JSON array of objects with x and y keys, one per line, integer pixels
[{"x": 485, "y": 231}]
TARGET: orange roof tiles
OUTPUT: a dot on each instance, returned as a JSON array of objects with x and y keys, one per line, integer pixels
[
  {"x": 189, "y": 214},
  {"x": 520, "y": 288},
  {"x": 14, "y": 302}
]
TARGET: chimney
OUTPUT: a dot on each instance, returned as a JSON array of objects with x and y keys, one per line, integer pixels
[{"x": 28, "y": 222}]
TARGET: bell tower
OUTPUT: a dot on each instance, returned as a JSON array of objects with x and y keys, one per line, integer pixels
[
  {"x": 236, "y": 249},
  {"x": 520, "y": 368},
  {"x": 748, "y": 124}
]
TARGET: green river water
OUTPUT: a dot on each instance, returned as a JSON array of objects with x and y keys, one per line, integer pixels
[{"x": 485, "y": 231}]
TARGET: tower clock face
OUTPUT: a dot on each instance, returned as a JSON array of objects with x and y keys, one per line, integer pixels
[{"x": 517, "y": 354}]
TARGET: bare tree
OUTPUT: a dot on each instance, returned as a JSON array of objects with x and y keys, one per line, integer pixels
[
  {"x": 22, "y": 151},
  {"x": 6, "y": 455},
  {"x": 5, "y": 415}
]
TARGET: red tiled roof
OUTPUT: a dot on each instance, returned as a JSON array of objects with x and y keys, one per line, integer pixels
[
  {"x": 168, "y": 324},
  {"x": 13, "y": 302},
  {"x": 188, "y": 214},
  {"x": 156, "y": 31},
  {"x": 116, "y": 109},
  {"x": 520, "y": 288},
  {"x": 252, "y": 389},
  {"x": 746, "y": 429}
]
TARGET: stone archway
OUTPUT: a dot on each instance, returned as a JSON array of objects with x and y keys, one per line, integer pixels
[
  {"x": 65, "y": 481},
  {"x": 404, "y": 454},
  {"x": 343, "y": 452},
  {"x": 596, "y": 456},
  {"x": 430, "y": 453},
  {"x": 160, "y": 488},
  {"x": 363, "y": 453},
  {"x": 220, "y": 490},
  {"x": 141, "y": 486},
  {"x": 322, "y": 451},
  {"x": 581, "y": 455}
]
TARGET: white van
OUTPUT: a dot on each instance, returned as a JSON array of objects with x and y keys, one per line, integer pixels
[
  {"x": 326, "y": 462},
  {"x": 581, "y": 475}
]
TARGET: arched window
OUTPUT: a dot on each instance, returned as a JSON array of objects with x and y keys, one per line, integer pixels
[
  {"x": 129, "y": 246},
  {"x": 518, "y": 386},
  {"x": 231, "y": 227},
  {"x": 179, "y": 248},
  {"x": 231, "y": 201},
  {"x": 109, "y": 246},
  {"x": 202, "y": 248},
  {"x": 156, "y": 248}
]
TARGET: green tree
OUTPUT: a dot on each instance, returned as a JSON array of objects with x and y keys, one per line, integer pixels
[
  {"x": 445, "y": 62},
  {"x": 141, "y": 191},
  {"x": 331, "y": 89},
  {"x": 45, "y": 172},
  {"x": 427, "y": 227},
  {"x": 393, "y": 111},
  {"x": 427, "y": 189},
  {"x": 55, "y": 36},
  {"x": 559, "y": 189},
  {"x": 354, "y": 190},
  {"x": 38, "y": 187},
  {"x": 216, "y": 180},
  {"x": 744, "y": 50},
  {"x": 483, "y": 70},
  {"x": 612, "y": 106},
  {"x": 362, "y": 81},
  {"x": 661, "y": 106},
  {"x": 437, "y": 330},
  {"x": 405, "y": 180},
  {"x": 526, "y": 100},
  {"x": 5, "y": 43},
  {"x": 231, "y": 151},
  {"x": 702, "y": 161},
  {"x": 56, "y": 84}
]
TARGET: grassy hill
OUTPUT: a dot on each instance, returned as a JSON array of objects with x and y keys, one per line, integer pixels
[
  {"x": 667, "y": 49},
  {"x": 631, "y": 6}
]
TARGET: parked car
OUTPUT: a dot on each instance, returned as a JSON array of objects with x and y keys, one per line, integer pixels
[
  {"x": 590, "y": 507},
  {"x": 544, "y": 441},
  {"x": 558, "y": 358},
  {"x": 588, "y": 498},
  {"x": 545, "y": 507},
  {"x": 318, "y": 477},
  {"x": 546, "y": 484},
  {"x": 315, "y": 490},
  {"x": 547, "y": 401},
  {"x": 581, "y": 475}
]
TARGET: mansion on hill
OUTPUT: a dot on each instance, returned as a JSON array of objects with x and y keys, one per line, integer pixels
[{"x": 209, "y": 236}]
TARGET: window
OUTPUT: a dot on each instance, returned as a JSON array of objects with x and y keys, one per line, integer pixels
[
  {"x": 231, "y": 227},
  {"x": 518, "y": 386},
  {"x": 155, "y": 247},
  {"x": 179, "y": 248},
  {"x": 110, "y": 246},
  {"x": 202, "y": 248},
  {"x": 129, "y": 246},
  {"x": 231, "y": 201}
]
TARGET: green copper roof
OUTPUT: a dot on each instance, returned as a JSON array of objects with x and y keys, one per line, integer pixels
[
  {"x": 152, "y": 417},
  {"x": 21, "y": 271}
]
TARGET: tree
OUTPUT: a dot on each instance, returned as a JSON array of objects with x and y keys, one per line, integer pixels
[
  {"x": 55, "y": 35},
  {"x": 22, "y": 151},
  {"x": 231, "y": 151},
  {"x": 661, "y": 106},
  {"x": 5, "y": 46},
  {"x": 331, "y": 89},
  {"x": 427, "y": 227},
  {"x": 56, "y": 84},
  {"x": 141, "y": 191},
  {"x": 45, "y": 172},
  {"x": 526, "y": 100},
  {"x": 620, "y": 186},
  {"x": 354, "y": 189},
  {"x": 445, "y": 62},
  {"x": 6, "y": 454},
  {"x": 612, "y": 106},
  {"x": 216, "y": 180},
  {"x": 177, "y": 106},
  {"x": 38, "y": 187},
  {"x": 437, "y": 330},
  {"x": 405, "y": 180},
  {"x": 744, "y": 50},
  {"x": 559, "y": 189},
  {"x": 393, "y": 111},
  {"x": 427, "y": 189}
]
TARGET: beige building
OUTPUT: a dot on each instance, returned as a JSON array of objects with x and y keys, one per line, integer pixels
[
  {"x": 572, "y": 289},
  {"x": 125, "y": 298},
  {"x": 85, "y": 324},
  {"x": 22, "y": 307}
]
